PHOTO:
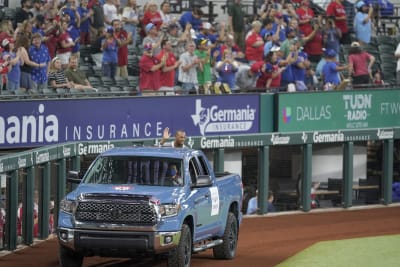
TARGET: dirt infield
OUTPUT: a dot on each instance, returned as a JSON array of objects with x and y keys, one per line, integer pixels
[{"x": 263, "y": 241}]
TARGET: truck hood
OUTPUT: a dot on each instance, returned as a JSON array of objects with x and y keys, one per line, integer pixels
[{"x": 163, "y": 194}]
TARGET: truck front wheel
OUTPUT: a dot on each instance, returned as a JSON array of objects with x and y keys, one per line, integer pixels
[
  {"x": 68, "y": 258},
  {"x": 181, "y": 255},
  {"x": 227, "y": 249}
]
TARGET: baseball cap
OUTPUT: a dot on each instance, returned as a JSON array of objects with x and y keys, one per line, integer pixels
[
  {"x": 289, "y": 30},
  {"x": 268, "y": 67},
  {"x": 330, "y": 53},
  {"x": 203, "y": 41},
  {"x": 147, "y": 46},
  {"x": 278, "y": 15},
  {"x": 360, "y": 4},
  {"x": 149, "y": 26},
  {"x": 256, "y": 67},
  {"x": 355, "y": 44},
  {"x": 275, "y": 48},
  {"x": 6, "y": 41}
]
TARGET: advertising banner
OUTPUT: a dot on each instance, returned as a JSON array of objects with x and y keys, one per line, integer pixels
[
  {"x": 46, "y": 122},
  {"x": 352, "y": 110}
]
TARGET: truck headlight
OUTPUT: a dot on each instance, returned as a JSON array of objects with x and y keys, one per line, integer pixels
[
  {"x": 68, "y": 206},
  {"x": 168, "y": 210}
]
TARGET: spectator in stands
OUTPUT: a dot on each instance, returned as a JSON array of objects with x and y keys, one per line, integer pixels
[
  {"x": 65, "y": 44},
  {"x": 193, "y": 18},
  {"x": 24, "y": 28},
  {"x": 165, "y": 15},
  {"x": 360, "y": 64},
  {"x": 203, "y": 52},
  {"x": 97, "y": 19},
  {"x": 151, "y": 15},
  {"x": 363, "y": 22},
  {"x": 77, "y": 77},
  {"x": 109, "y": 46},
  {"x": 167, "y": 75},
  {"x": 39, "y": 53},
  {"x": 14, "y": 74},
  {"x": 150, "y": 68},
  {"x": 306, "y": 17},
  {"x": 226, "y": 69},
  {"x": 37, "y": 8},
  {"x": 236, "y": 26},
  {"x": 178, "y": 40},
  {"x": 246, "y": 76},
  {"x": 154, "y": 37},
  {"x": 39, "y": 24},
  {"x": 110, "y": 12},
  {"x": 254, "y": 43},
  {"x": 52, "y": 33},
  {"x": 331, "y": 70},
  {"x": 57, "y": 78},
  {"x": 22, "y": 44},
  {"x": 299, "y": 68},
  {"x": 336, "y": 10},
  {"x": 6, "y": 29},
  {"x": 130, "y": 18},
  {"x": 24, "y": 13},
  {"x": 332, "y": 36},
  {"x": 85, "y": 15},
  {"x": 190, "y": 63},
  {"x": 123, "y": 38},
  {"x": 313, "y": 47},
  {"x": 377, "y": 77},
  {"x": 230, "y": 44}
]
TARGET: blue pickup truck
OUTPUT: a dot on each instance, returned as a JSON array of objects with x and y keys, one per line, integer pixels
[{"x": 150, "y": 201}]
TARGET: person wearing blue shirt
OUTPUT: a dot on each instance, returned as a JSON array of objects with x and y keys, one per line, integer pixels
[
  {"x": 192, "y": 17},
  {"x": 109, "y": 47},
  {"x": 362, "y": 22},
  {"x": 252, "y": 206},
  {"x": 299, "y": 70},
  {"x": 330, "y": 71},
  {"x": 84, "y": 27},
  {"x": 39, "y": 53}
]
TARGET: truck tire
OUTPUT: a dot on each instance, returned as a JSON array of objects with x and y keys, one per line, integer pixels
[
  {"x": 181, "y": 255},
  {"x": 227, "y": 249},
  {"x": 68, "y": 258}
]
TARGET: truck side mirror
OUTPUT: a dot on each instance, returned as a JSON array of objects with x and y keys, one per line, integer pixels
[
  {"x": 74, "y": 177},
  {"x": 203, "y": 181}
]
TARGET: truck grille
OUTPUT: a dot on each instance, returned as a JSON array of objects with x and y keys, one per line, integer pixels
[{"x": 119, "y": 213}]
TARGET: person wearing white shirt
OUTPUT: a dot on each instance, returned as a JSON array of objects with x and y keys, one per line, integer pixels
[{"x": 110, "y": 11}]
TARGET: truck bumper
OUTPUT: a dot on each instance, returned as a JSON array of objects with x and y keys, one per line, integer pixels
[{"x": 94, "y": 242}]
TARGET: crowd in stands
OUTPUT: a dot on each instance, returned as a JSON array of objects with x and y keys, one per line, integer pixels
[{"x": 286, "y": 46}]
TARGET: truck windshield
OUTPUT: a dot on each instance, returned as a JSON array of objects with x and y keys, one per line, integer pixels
[{"x": 136, "y": 170}]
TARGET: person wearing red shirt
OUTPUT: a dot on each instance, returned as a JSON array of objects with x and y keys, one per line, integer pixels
[
  {"x": 254, "y": 43},
  {"x": 337, "y": 11},
  {"x": 360, "y": 64},
  {"x": 152, "y": 15},
  {"x": 305, "y": 16},
  {"x": 123, "y": 39},
  {"x": 167, "y": 75},
  {"x": 150, "y": 66},
  {"x": 65, "y": 44}
]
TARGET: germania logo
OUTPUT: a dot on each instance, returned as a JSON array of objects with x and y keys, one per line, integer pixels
[
  {"x": 287, "y": 114},
  {"x": 29, "y": 128},
  {"x": 215, "y": 120}
]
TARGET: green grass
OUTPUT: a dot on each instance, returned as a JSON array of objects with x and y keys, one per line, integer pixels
[{"x": 363, "y": 252}]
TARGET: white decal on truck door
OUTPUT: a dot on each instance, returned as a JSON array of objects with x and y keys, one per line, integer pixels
[{"x": 214, "y": 201}]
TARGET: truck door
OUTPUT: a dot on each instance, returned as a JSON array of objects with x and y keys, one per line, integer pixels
[{"x": 203, "y": 203}]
